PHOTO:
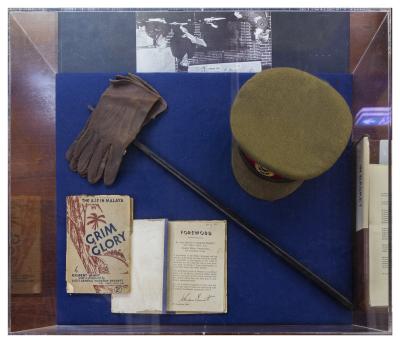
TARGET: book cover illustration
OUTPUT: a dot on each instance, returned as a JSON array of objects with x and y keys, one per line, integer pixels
[{"x": 98, "y": 244}]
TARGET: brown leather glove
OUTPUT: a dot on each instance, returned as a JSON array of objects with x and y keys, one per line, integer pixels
[
  {"x": 126, "y": 105},
  {"x": 158, "y": 107}
]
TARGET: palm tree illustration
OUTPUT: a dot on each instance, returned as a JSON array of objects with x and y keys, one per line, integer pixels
[{"x": 95, "y": 219}]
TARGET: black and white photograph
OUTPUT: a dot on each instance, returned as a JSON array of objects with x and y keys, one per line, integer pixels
[{"x": 229, "y": 41}]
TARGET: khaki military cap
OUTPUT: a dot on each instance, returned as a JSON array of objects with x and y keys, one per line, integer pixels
[{"x": 288, "y": 126}]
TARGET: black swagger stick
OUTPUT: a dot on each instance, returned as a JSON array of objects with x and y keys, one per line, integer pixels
[{"x": 323, "y": 285}]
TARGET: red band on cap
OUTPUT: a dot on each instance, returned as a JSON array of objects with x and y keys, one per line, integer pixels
[{"x": 261, "y": 170}]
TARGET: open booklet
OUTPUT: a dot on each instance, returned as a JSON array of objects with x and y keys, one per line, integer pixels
[{"x": 177, "y": 267}]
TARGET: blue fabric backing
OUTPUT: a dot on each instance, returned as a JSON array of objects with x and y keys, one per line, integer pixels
[
  {"x": 312, "y": 41},
  {"x": 314, "y": 224},
  {"x": 96, "y": 41}
]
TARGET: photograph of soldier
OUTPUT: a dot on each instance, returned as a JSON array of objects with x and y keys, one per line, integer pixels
[
  {"x": 203, "y": 41},
  {"x": 183, "y": 44}
]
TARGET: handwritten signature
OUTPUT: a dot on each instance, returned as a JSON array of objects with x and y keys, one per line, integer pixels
[{"x": 197, "y": 298}]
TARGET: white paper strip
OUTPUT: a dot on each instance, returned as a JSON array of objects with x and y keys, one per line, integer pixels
[
  {"x": 379, "y": 235},
  {"x": 147, "y": 274}
]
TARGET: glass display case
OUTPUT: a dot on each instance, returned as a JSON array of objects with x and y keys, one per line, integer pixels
[{"x": 317, "y": 261}]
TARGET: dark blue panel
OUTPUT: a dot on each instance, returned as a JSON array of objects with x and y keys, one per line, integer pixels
[
  {"x": 311, "y": 41},
  {"x": 314, "y": 224},
  {"x": 96, "y": 41}
]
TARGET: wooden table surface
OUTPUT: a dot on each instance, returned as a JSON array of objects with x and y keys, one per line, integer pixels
[{"x": 32, "y": 147}]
